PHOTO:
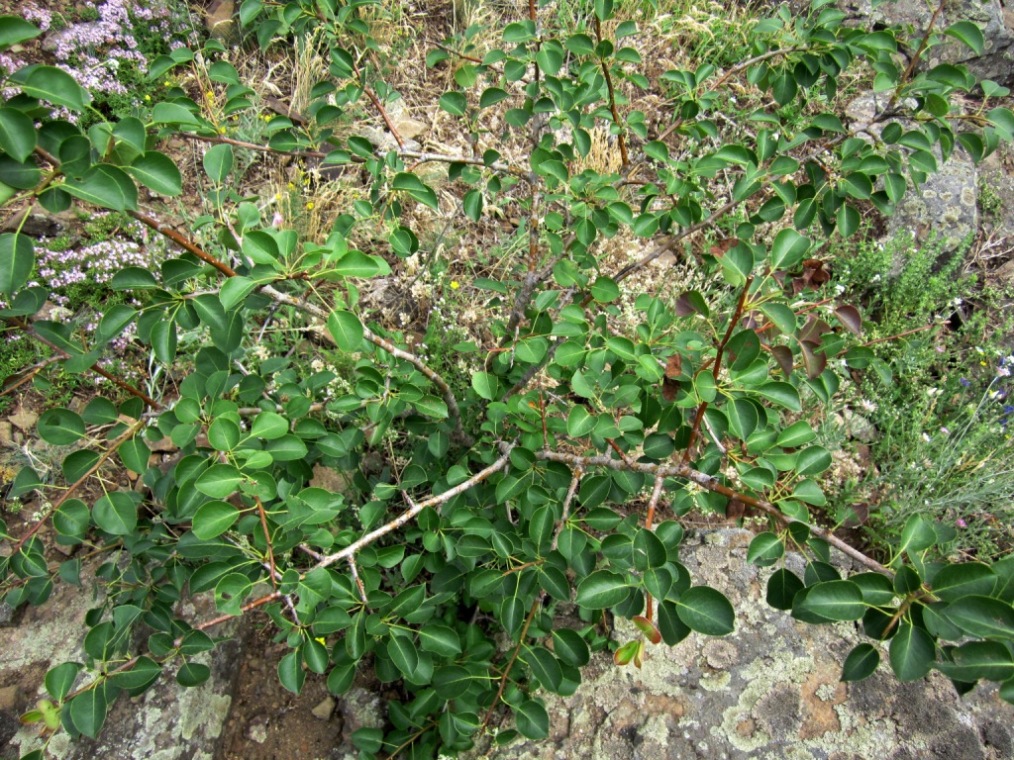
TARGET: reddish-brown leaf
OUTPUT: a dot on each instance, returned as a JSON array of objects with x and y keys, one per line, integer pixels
[
  {"x": 674, "y": 367},
  {"x": 722, "y": 247},
  {"x": 783, "y": 355},
  {"x": 850, "y": 318}
]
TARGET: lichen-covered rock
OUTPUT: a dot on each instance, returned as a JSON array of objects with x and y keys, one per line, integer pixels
[
  {"x": 995, "y": 21},
  {"x": 770, "y": 690},
  {"x": 167, "y": 722},
  {"x": 944, "y": 209}
]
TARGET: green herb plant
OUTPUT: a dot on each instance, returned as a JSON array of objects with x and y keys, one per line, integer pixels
[{"x": 544, "y": 482}]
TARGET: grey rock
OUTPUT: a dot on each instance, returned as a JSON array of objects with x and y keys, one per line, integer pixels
[
  {"x": 996, "y": 22},
  {"x": 6, "y": 614},
  {"x": 769, "y": 691},
  {"x": 167, "y": 722},
  {"x": 324, "y": 708},
  {"x": 943, "y": 210}
]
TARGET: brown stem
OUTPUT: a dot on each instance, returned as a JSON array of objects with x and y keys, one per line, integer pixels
[
  {"x": 900, "y": 335},
  {"x": 183, "y": 242},
  {"x": 113, "y": 446},
  {"x": 717, "y": 367},
  {"x": 565, "y": 515},
  {"x": 621, "y": 141},
  {"x": 267, "y": 540},
  {"x": 381, "y": 110},
  {"x": 649, "y": 518},
  {"x": 510, "y": 665},
  {"x": 907, "y": 75}
]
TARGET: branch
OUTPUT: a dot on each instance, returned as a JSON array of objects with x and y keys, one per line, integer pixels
[
  {"x": 414, "y": 509},
  {"x": 453, "y": 410},
  {"x": 710, "y": 484}
]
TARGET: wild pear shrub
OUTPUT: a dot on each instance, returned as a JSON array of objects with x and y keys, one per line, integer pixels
[{"x": 491, "y": 516}]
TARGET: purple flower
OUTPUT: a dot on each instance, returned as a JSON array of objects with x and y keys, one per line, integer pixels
[{"x": 965, "y": 382}]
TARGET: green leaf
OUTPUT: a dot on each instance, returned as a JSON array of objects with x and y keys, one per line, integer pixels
[
  {"x": 219, "y": 481},
  {"x": 116, "y": 513},
  {"x": 788, "y": 249},
  {"x": 17, "y": 133},
  {"x": 53, "y": 84},
  {"x": 290, "y": 672},
  {"x": 157, "y": 172},
  {"x": 269, "y": 425},
  {"x": 912, "y": 652},
  {"x": 570, "y": 647},
  {"x": 416, "y": 188},
  {"x": 765, "y": 549},
  {"x": 579, "y": 422},
  {"x": 783, "y": 585},
  {"x": 454, "y": 103},
  {"x": 106, "y": 186},
  {"x": 218, "y": 162},
  {"x": 440, "y": 640},
  {"x": 969, "y": 34},
  {"x": 402, "y": 651},
  {"x": 861, "y": 663},
  {"x": 60, "y": 680},
  {"x": 706, "y": 610},
  {"x": 14, "y": 29},
  {"x": 917, "y": 535},
  {"x": 544, "y": 667},
  {"x": 88, "y": 711},
  {"x": 486, "y": 385},
  {"x": 346, "y": 329},
  {"x": 491, "y": 96},
  {"x": 835, "y": 600},
  {"x": 192, "y": 674},
  {"x": 982, "y": 616},
  {"x": 782, "y": 394},
  {"x": 532, "y": 719},
  {"x": 965, "y": 579},
  {"x": 235, "y": 290},
  {"x": 174, "y": 113},
  {"x": 134, "y": 454},
  {"x": 17, "y": 258},
  {"x": 61, "y": 427},
  {"x": 358, "y": 264},
  {"x": 213, "y": 519},
  {"x": 602, "y": 589},
  {"x": 604, "y": 290},
  {"x": 989, "y": 660}
]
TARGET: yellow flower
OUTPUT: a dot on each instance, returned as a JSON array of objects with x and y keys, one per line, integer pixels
[
  {"x": 168, "y": 83},
  {"x": 147, "y": 97},
  {"x": 321, "y": 640},
  {"x": 222, "y": 130},
  {"x": 209, "y": 95},
  {"x": 455, "y": 284},
  {"x": 291, "y": 186},
  {"x": 309, "y": 205}
]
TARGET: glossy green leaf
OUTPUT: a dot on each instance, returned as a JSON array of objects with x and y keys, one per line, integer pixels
[
  {"x": 105, "y": 186},
  {"x": 14, "y": 29},
  {"x": 17, "y": 132},
  {"x": 602, "y": 589},
  {"x": 17, "y": 258},
  {"x": 157, "y": 172},
  {"x": 706, "y": 610},
  {"x": 346, "y": 329},
  {"x": 912, "y": 652},
  {"x": 861, "y": 663},
  {"x": 982, "y": 616},
  {"x": 61, "y": 427},
  {"x": 213, "y": 519}
]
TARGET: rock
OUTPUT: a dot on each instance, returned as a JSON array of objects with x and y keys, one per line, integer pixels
[
  {"x": 219, "y": 21},
  {"x": 324, "y": 708},
  {"x": 6, "y": 614},
  {"x": 996, "y": 192},
  {"x": 23, "y": 419},
  {"x": 6, "y": 435},
  {"x": 167, "y": 722},
  {"x": 768, "y": 691},
  {"x": 996, "y": 23},
  {"x": 944, "y": 210},
  {"x": 38, "y": 226},
  {"x": 858, "y": 427}
]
